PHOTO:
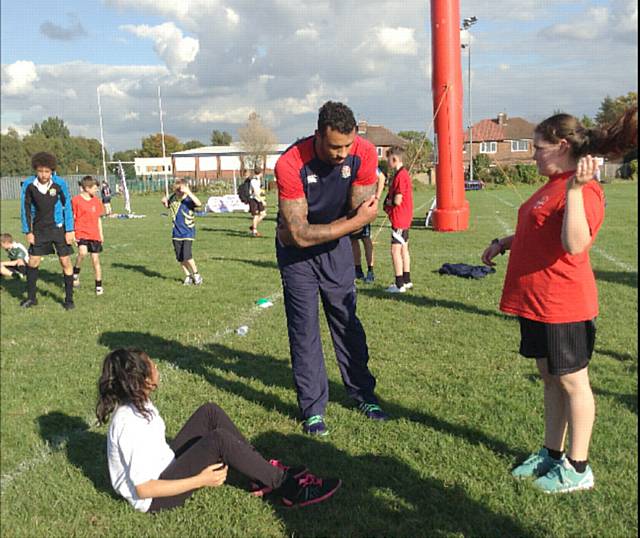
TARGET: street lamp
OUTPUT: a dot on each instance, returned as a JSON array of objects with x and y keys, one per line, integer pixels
[{"x": 466, "y": 24}]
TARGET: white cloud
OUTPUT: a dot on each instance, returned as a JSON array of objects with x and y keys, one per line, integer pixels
[
  {"x": 232, "y": 17},
  {"x": 398, "y": 40},
  {"x": 590, "y": 26},
  {"x": 307, "y": 33},
  {"x": 19, "y": 77},
  {"x": 132, "y": 116},
  {"x": 176, "y": 50}
]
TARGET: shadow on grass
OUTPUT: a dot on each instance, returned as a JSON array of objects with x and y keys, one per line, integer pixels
[
  {"x": 422, "y": 300},
  {"x": 380, "y": 496},
  {"x": 18, "y": 288},
  {"x": 271, "y": 371},
  {"x": 141, "y": 269},
  {"x": 236, "y": 233},
  {"x": 622, "y": 357},
  {"x": 618, "y": 277},
  {"x": 84, "y": 449},
  {"x": 630, "y": 401},
  {"x": 263, "y": 264}
]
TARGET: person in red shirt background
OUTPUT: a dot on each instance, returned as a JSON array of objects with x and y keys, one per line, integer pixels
[
  {"x": 87, "y": 210},
  {"x": 551, "y": 287},
  {"x": 399, "y": 207}
]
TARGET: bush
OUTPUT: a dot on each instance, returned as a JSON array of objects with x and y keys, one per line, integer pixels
[
  {"x": 383, "y": 165},
  {"x": 525, "y": 173}
]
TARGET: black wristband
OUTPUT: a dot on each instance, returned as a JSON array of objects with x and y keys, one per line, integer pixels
[{"x": 496, "y": 241}]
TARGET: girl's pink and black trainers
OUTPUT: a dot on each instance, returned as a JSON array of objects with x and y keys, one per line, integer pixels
[
  {"x": 258, "y": 489},
  {"x": 309, "y": 489}
]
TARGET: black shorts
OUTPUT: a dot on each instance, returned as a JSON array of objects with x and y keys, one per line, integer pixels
[
  {"x": 566, "y": 346},
  {"x": 92, "y": 246},
  {"x": 399, "y": 236},
  {"x": 363, "y": 233},
  {"x": 106, "y": 200},
  {"x": 183, "y": 249},
  {"x": 46, "y": 240},
  {"x": 255, "y": 207}
]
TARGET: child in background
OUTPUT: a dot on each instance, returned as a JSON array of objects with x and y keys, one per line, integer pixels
[
  {"x": 399, "y": 206},
  {"x": 16, "y": 266},
  {"x": 257, "y": 202},
  {"x": 182, "y": 204},
  {"x": 154, "y": 475},
  {"x": 105, "y": 193},
  {"x": 87, "y": 210}
]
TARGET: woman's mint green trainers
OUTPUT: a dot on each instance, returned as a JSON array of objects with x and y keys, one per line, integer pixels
[
  {"x": 563, "y": 478},
  {"x": 535, "y": 465}
]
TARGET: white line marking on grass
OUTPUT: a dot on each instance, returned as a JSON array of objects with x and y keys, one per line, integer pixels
[
  {"x": 628, "y": 268},
  {"x": 509, "y": 204},
  {"x": 507, "y": 229},
  {"x": 43, "y": 453}
]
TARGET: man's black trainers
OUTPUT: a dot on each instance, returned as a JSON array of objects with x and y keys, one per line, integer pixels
[
  {"x": 372, "y": 411},
  {"x": 28, "y": 303},
  {"x": 68, "y": 305},
  {"x": 308, "y": 489}
]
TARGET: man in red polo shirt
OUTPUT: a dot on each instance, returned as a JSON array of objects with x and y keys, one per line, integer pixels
[
  {"x": 399, "y": 206},
  {"x": 326, "y": 189}
]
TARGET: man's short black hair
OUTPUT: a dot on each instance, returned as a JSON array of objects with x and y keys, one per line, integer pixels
[
  {"x": 44, "y": 159},
  {"x": 336, "y": 115}
]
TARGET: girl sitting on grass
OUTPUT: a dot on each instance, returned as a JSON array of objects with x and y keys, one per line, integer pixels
[
  {"x": 155, "y": 475},
  {"x": 551, "y": 287}
]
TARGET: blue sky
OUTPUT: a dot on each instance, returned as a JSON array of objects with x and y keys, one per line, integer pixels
[{"x": 219, "y": 60}]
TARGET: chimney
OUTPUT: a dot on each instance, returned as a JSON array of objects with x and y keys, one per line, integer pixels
[
  {"x": 502, "y": 118},
  {"x": 362, "y": 127}
]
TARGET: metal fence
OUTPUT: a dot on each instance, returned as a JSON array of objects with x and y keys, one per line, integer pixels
[{"x": 10, "y": 185}]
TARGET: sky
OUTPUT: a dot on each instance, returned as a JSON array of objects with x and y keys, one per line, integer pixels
[{"x": 216, "y": 61}]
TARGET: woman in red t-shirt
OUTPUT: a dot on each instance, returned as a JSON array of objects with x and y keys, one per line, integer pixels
[{"x": 550, "y": 286}]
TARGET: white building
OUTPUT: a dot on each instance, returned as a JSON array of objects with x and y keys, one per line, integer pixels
[{"x": 216, "y": 162}]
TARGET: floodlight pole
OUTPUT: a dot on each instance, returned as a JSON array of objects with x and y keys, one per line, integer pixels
[
  {"x": 466, "y": 24},
  {"x": 452, "y": 208},
  {"x": 166, "y": 177},
  {"x": 104, "y": 160}
]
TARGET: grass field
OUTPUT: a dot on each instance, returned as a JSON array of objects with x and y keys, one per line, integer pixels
[{"x": 465, "y": 406}]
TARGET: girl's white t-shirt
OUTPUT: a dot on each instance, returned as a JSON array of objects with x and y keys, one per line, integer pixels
[{"x": 137, "y": 451}]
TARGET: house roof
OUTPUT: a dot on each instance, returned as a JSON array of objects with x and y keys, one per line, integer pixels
[
  {"x": 223, "y": 150},
  {"x": 379, "y": 135},
  {"x": 491, "y": 130}
]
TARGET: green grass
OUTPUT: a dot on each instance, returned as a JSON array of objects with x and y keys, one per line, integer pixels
[{"x": 465, "y": 406}]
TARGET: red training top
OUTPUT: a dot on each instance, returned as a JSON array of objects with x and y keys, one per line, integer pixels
[
  {"x": 543, "y": 282},
  {"x": 86, "y": 214},
  {"x": 401, "y": 215}
]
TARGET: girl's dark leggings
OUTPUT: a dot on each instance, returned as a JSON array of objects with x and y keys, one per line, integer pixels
[{"x": 210, "y": 437}]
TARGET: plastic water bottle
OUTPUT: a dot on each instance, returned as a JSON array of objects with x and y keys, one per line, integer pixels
[{"x": 242, "y": 330}]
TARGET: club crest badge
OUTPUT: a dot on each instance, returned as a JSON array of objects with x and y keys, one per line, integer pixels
[
  {"x": 346, "y": 172},
  {"x": 541, "y": 202},
  {"x": 312, "y": 179},
  {"x": 52, "y": 192}
]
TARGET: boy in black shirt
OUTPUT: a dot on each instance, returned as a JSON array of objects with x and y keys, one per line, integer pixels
[{"x": 47, "y": 219}]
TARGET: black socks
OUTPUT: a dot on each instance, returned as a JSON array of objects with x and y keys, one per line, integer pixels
[
  {"x": 406, "y": 277},
  {"x": 555, "y": 454},
  {"x": 68, "y": 288},
  {"x": 579, "y": 466},
  {"x": 32, "y": 279},
  {"x": 399, "y": 281}
]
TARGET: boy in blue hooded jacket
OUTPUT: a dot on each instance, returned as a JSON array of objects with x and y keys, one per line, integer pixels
[{"x": 47, "y": 220}]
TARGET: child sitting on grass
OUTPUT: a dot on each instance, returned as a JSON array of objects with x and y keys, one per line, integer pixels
[
  {"x": 16, "y": 265},
  {"x": 154, "y": 475}
]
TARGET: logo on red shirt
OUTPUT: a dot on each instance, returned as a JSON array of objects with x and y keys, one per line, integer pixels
[{"x": 541, "y": 202}]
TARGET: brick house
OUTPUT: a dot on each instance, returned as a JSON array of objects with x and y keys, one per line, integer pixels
[
  {"x": 381, "y": 137},
  {"x": 505, "y": 140}
]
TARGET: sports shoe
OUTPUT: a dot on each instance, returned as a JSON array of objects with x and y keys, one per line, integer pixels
[
  {"x": 395, "y": 289},
  {"x": 370, "y": 277},
  {"x": 359, "y": 275},
  {"x": 315, "y": 425},
  {"x": 99, "y": 290},
  {"x": 197, "y": 279},
  {"x": 408, "y": 285},
  {"x": 309, "y": 489},
  {"x": 258, "y": 489},
  {"x": 28, "y": 303},
  {"x": 187, "y": 281},
  {"x": 76, "y": 281},
  {"x": 536, "y": 465},
  {"x": 563, "y": 478},
  {"x": 372, "y": 411},
  {"x": 68, "y": 305}
]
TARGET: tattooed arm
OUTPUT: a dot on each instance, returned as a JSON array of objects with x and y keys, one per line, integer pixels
[
  {"x": 362, "y": 193},
  {"x": 295, "y": 230}
]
